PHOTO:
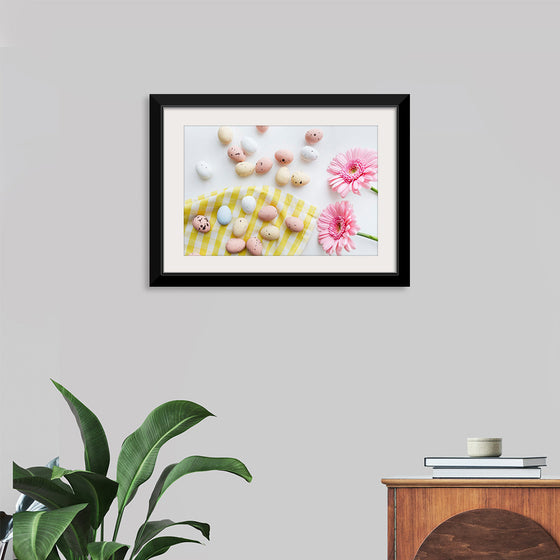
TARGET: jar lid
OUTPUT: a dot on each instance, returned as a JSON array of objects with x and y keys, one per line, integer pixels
[{"x": 492, "y": 439}]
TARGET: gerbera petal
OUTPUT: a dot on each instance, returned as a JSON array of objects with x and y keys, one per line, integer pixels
[
  {"x": 336, "y": 226},
  {"x": 353, "y": 170}
]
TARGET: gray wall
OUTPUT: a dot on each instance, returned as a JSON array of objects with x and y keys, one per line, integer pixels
[{"x": 371, "y": 380}]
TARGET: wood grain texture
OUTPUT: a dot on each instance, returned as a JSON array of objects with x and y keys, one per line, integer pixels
[
  {"x": 484, "y": 534},
  {"x": 391, "y": 524},
  {"x": 419, "y": 510},
  {"x": 470, "y": 482}
]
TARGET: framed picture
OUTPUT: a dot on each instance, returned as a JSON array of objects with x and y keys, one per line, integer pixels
[{"x": 279, "y": 190}]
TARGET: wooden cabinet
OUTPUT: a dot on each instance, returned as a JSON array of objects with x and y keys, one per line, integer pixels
[{"x": 506, "y": 519}]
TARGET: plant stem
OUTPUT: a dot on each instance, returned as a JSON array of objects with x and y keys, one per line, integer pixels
[
  {"x": 374, "y": 190},
  {"x": 102, "y": 528},
  {"x": 141, "y": 532},
  {"x": 367, "y": 236},
  {"x": 117, "y": 525}
]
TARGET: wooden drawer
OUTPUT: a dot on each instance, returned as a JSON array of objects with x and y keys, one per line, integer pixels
[{"x": 417, "y": 507}]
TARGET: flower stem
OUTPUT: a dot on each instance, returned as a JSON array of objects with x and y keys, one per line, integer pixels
[
  {"x": 374, "y": 190},
  {"x": 367, "y": 236}
]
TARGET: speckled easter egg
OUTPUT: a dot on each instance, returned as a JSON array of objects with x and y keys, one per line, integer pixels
[
  {"x": 244, "y": 168},
  {"x": 283, "y": 176},
  {"x": 235, "y": 245},
  {"x": 248, "y": 203},
  {"x": 270, "y": 233},
  {"x": 235, "y": 153},
  {"x": 262, "y": 129},
  {"x": 264, "y": 165},
  {"x": 294, "y": 224},
  {"x": 204, "y": 170},
  {"x": 313, "y": 136},
  {"x": 249, "y": 145},
  {"x": 309, "y": 154},
  {"x": 225, "y": 134},
  {"x": 224, "y": 215},
  {"x": 268, "y": 213},
  {"x": 240, "y": 227},
  {"x": 201, "y": 224},
  {"x": 299, "y": 179},
  {"x": 284, "y": 157},
  {"x": 254, "y": 246}
]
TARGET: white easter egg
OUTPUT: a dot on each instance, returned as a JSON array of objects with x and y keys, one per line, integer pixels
[
  {"x": 204, "y": 170},
  {"x": 248, "y": 204},
  {"x": 309, "y": 154},
  {"x": 249, "y": 145}
]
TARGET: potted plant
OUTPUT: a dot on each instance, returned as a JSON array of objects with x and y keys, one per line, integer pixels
[
  {"x": 5, "y": 532},
  {"x": 24, "y": 503},
  {"x": 77, "y": 501}
]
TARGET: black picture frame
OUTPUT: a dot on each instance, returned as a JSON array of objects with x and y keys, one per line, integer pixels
[{"x": 399, "y": 278}]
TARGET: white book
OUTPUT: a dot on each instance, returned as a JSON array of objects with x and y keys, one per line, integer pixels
[
  {"x": 467, "y": 462},
  {"x": 487, "y": 473}
]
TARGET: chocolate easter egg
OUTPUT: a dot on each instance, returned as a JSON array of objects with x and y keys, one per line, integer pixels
[
  {"x": 244, "y": 168},
  {"x": 284, "y": 157},
  {"x": 267, "y": 213},
  {"x": 201, "y": 224},
  {"x": 254, "y": 246},
  {"x": 225, "y": 134},
  {"x": 313, "y": 136},
  {"x": 236, "y": 154},
  {"x": 294, "y": 224},
  {"x": 235, "y": 245},
  {"x": 264, "y": 165}
]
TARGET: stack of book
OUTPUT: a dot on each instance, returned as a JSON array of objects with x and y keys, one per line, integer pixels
[{"x": 485, "y": 467}]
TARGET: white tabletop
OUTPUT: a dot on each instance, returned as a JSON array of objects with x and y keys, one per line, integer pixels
[{"x": 201, "y": 143}]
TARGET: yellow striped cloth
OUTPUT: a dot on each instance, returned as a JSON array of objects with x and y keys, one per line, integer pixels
[{"x": 214, "y": 242}]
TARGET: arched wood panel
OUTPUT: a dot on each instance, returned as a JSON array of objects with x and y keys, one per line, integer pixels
[{"x": 488, "y": 534}]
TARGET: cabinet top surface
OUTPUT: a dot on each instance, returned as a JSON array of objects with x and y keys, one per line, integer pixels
[{"x": 470, "y": 482}]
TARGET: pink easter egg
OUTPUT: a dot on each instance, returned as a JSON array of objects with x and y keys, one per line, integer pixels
[
  {"x": 264, "y": 165},
  {"x": 235, "y": 245},
  {"x": 262, "y": 129},
  {"x": 254, "y": 246},
  {"x": 313, "y": 136},
  {"x": 268, "y": 213},
  {"x": 284, "y": 157},
  {"x": 236, "y": 154},
  {"x": 294, "y": 224},
  {"x": 201, "y": 224}
]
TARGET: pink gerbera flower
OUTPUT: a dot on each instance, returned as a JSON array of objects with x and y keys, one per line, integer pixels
[
  {"x": 336, "y": 225},
  {"x": 353, "y": 169}
]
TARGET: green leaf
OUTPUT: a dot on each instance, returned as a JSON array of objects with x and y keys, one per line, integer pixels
[
  {"x": 173, "y": 472},
  {"x": 148, "y": 531},
  {"x": 5, "y": 524},
  {"x": 53, "y": 555},
  {"x": 65, "y": 550},
  {"x": 105, "y": 550},
  {"x": 96, "y": 448},
  {"x": 51, "y": 493},
  {"x": 95, "y": 489},
  {"x": 160, "y": 546},
  {"x": 25, "y": 503},
  {"x": 42, "y": 472},
  {"x": 140, "y": 449},
  {"x": 55, "y": 494},
  {"x": 36, "y": 533}
]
